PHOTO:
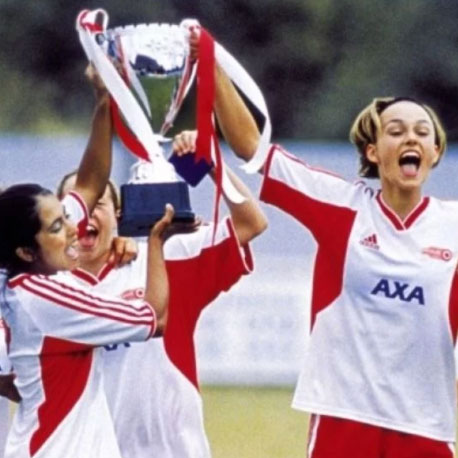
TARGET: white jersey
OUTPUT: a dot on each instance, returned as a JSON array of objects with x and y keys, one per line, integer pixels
[
  {"x": 54, "y": 325},
  {"x": 384, "y": 307},
  {"x": 152, "y": 387},
  {"x": 5, "y": 369},
  {"x": 4, "y": 423}
]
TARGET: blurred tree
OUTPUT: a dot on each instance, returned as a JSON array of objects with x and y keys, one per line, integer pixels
[
  {"x": 318, "y": 61},
  {"x": 387, "y": 48}
]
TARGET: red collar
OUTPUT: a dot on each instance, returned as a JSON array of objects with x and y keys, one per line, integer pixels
[
  {"x": 90, "y": 278},
  {"x": 402, "y": 225}
]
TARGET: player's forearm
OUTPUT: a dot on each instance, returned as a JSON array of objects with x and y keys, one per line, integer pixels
[
  {"x": 157, "y": 284},
  {"x": 234, "y": 119},
  {"x": 248, "y": 218},
  {"x": 95, "y": 166}
]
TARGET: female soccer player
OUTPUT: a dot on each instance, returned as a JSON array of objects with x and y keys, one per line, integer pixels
[
  {"x": 379, "y": 375},
  {"x": 163, "y": 416},
  {"x": 53, "y": 325}
]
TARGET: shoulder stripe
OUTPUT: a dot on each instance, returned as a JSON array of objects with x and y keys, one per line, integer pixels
[
  {"x": 84, "y": 308},
  {"x": 72, "y": 296},
  {"x": 17, "y": 280},
  {"x": 300, "y": 161},
  {"x": 81, "y": 294}
]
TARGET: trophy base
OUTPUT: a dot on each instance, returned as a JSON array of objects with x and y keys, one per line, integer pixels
[{"x": 143, "y": 204}]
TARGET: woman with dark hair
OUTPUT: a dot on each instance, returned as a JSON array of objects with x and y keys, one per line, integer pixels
[
  {"x": 54, "y": 325},
  {"x": 379, "y": 371}
]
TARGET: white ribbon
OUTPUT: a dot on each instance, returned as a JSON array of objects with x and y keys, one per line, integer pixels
[{"x": 132, "y": 76}]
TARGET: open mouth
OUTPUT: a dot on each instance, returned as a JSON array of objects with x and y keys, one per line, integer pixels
[
  {"x": 90, "y": 237},
  {"x": 410, "y": 163},
  {"x": 72, "y": 251}
]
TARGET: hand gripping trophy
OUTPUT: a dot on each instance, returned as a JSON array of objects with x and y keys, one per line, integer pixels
[{"x": 148, "y": 72}]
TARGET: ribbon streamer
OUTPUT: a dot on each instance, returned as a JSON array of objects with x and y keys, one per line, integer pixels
[{"x": 206, "y": 96}]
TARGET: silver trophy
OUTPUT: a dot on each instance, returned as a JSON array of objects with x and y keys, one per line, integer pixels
[{"x": 147, "y": 70}]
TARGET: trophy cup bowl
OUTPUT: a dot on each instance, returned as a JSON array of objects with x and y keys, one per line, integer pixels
[{"x": 154, "y": 58}]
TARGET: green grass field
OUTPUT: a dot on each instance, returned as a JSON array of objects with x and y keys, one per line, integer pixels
[{"x": 253, "y": 423}]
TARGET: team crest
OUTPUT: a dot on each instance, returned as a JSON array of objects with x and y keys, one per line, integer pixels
[
  {"x": 133, "y": 294},
  {"x": 443, "y": 254}
]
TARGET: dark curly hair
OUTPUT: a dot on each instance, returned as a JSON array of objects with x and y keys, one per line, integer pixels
[{"x": 19, "y": 224}]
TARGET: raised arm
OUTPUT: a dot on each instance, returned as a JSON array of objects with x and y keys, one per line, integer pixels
[
  {"x": 234, "y": 118},
  {"x": 95, "y": 166},
  {"x": 248, "y": 218}
]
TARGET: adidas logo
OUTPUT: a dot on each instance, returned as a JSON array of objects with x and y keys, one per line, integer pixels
[{"x": 370, "y": 242}]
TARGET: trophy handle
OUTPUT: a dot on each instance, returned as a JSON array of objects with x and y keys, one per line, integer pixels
[{"x": 181, "y": 92}]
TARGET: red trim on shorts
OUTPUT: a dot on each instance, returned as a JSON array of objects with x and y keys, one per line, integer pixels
[{"x": 344, "y": 438}]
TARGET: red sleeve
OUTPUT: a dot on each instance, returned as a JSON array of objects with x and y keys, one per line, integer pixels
[
  {"x": 194, "y": 283},
  {"x": 320, "y": 200}
]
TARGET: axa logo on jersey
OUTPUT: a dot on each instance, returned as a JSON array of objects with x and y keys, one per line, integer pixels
[
  {"x": 112, "y": 347},
  {"x": 399, "y": 290}
]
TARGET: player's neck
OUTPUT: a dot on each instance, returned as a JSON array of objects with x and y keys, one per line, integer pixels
[
  {"x": 94, "y": 266},
  {"x": 401, "y": 201}
]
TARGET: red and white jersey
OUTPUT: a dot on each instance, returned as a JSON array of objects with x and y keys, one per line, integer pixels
[
  {"x": 5, "y": 363},
  {"x": 4, "y": 423},
  {"x": 54, "y": 325},
  {"x": 384, "y": 310},
  {"x": 152, "y": 387},
  {"x": 5, "y": 369}
]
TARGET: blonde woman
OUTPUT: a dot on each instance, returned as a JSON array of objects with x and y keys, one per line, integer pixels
[{"x": 379, "y": 373}]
